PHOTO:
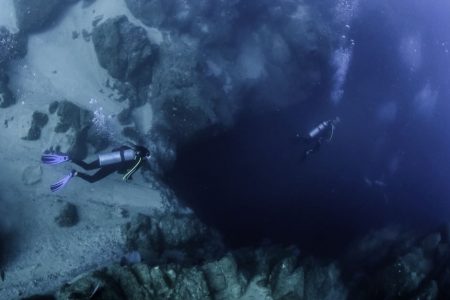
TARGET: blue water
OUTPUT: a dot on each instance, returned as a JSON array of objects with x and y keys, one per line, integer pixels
[{"x": 389, "y": 162}]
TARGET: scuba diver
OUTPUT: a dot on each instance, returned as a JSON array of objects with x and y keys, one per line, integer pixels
[
  {"x": 125, "y": 160},
  {"x": 318, "y": 135}
]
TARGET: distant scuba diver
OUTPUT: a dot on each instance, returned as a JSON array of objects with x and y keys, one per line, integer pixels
[
  {"x": 317, "y": 136},
  {"x": 124, "y": 159}
]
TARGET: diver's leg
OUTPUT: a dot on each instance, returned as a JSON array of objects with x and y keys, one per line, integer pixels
[
  {"x": 100, "y": 174},
  {"x": 87, "y": 166}
]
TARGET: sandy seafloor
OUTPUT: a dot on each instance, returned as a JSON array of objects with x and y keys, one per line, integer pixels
[{"x": 59, "y": 67}]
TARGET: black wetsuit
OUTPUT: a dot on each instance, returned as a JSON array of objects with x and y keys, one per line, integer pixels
[{"x": 104, "y": 171}]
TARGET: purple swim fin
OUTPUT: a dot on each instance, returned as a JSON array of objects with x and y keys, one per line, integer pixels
[
  {"x": 62, "y": 182},
  {"x": 53, "y": 159}
]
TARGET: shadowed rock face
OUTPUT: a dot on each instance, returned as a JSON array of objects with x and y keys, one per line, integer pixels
[{"x": 34, "y": 15}]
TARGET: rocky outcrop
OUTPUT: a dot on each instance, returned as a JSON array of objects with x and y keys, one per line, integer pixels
[
  {"x": 125, "y": 51},
  {"x": 223, "y": 279},
  {"x": 34, "y": 15},
  {"x": 412, "y": 267}
]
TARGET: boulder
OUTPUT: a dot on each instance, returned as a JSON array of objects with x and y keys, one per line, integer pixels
[
  {"x": 138, "y": 282},
  {"x": 124, "y": 50},
  {"x": 287, "y": 279},
  {"x": 224, "y": 278},
  {"x": 190, "y": 284},
  {"x": 34, "y": 15}
]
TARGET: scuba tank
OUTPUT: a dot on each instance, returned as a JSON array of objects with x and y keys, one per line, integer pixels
[
  {"x": 116, "y": 157},
  {"x": 318, "y": 129}
]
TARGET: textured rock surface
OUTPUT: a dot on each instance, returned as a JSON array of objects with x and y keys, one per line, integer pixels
[
  {"x": 124, "y": 50},
  {"x": 34, "y": 15},
  {"x": 222, "y": 279}
]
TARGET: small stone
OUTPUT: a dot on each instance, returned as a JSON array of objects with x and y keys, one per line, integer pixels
[
  {"x": 68, "y": 216},
  {"x": 75, "y": 35}
]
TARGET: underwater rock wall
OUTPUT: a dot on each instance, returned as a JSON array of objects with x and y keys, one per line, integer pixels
[{"x": 387, "y": 264}]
